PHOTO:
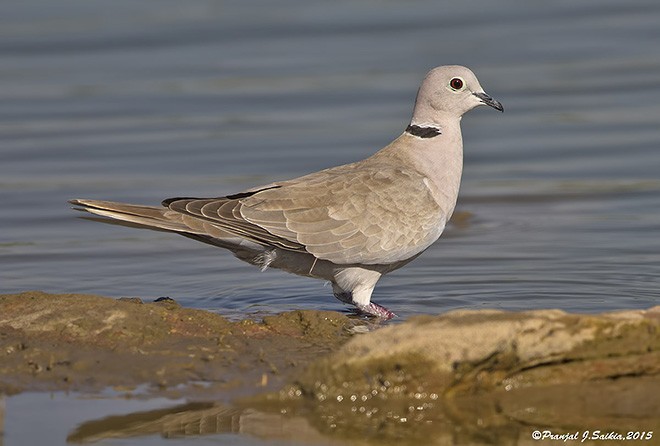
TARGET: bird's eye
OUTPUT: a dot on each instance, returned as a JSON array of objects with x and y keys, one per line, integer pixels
[{"x": 456, "y": 83}]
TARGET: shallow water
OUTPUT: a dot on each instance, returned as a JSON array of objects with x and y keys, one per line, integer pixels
[
  {"x": 141, "y": 100},
  {"x": 100, "y": 419}
]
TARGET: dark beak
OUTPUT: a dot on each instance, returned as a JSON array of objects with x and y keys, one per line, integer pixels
[{"x": 487, "y": 100}]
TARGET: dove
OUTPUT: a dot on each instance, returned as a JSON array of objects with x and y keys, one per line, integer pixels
[{"x": 349, "y": 224}]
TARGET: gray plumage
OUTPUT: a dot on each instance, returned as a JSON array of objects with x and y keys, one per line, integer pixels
[{"x": 349, "y": 224}]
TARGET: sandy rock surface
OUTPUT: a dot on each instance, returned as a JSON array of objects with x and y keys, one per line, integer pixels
[
  {"x": 83, "y": 342},
  {"x": 464, "y": 377}
]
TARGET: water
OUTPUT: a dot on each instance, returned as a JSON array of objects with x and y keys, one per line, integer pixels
[
  {"x": 142, "y": 100},
  {"x": 100, "y": 419}
]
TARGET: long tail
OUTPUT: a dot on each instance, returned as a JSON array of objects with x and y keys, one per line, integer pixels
[
  {"x": 164, "y": 219},
  {"x": 149, "y": 216}
]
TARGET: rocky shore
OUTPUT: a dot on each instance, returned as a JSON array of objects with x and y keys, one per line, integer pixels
[{"x": 473, "y": 375}]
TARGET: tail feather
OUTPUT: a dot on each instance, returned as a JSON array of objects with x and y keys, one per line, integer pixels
[
  {"x": 149, "y": 216},
  {"x": 164, "y": 219}
]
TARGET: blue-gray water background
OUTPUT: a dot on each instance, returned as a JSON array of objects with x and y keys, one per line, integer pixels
[{"x": 139, "y": 100}]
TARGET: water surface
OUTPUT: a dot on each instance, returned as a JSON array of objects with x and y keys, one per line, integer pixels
[{"x": 134, "y": 102}]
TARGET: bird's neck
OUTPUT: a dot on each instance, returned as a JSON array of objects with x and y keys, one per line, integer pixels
[
  {"x": 431, "y": 148},
  {"x": 436, "y": 151}
]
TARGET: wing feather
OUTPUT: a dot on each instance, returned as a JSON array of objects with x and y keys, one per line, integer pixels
[{"x": 348, "y": 214}]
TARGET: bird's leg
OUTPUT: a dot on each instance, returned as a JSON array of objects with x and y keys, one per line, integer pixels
[
  {"x": 369, "y": 308},
  {"x": 362, "y": 300}
]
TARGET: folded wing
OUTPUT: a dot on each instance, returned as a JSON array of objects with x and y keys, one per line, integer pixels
[{"x": 348, "y": 214}]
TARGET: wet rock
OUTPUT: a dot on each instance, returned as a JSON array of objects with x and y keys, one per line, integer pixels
[
  {"x": 469, "y": 351},
  {"x": 82, "y": 342},
  {"x": 465, "y": 371}
]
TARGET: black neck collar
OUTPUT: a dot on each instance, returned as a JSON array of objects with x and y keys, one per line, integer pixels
[{"x": 423, "y": 132}]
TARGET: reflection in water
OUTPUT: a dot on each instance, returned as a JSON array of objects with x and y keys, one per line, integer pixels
[
  {"x": 497, "y": 418},
  {"x": 159, "y": 421},
  {"x": 197, "y": 419}
]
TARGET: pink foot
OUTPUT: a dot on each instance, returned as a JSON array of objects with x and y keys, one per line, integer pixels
[{"x": 377, "y": 310}]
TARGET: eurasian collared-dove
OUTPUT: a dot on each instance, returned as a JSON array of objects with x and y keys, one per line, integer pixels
[{"x": 348, "y": 224}]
